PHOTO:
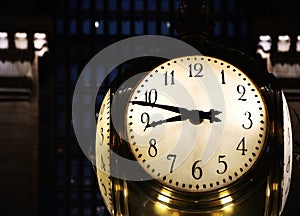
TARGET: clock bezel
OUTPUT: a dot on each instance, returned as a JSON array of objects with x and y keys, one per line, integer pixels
[{"x": 245, "y": 186}]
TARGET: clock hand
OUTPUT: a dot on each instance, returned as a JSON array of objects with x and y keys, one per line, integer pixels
[
  {"x": 195, "y": 116},
  {"x": 161, "y": 106},
  {"x": 172, "y": 119}
]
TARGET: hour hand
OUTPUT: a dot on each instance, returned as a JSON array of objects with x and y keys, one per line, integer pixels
[{"x": 172, "y": 119}]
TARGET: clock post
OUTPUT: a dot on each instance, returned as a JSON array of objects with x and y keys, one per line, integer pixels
[{"x": 207, "y": 132}]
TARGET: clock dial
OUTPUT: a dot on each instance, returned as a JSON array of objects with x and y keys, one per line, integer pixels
[
  {"x": 103, "y": 152},
  {"x": 196, "y": 123},
  {"x": 288, "y": 153}
]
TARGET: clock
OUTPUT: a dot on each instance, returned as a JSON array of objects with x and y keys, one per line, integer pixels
[
  {"x": 203, "y": 129},
  {"x": 205, "y": 134},
  {"x": 196, "y": 123},
  {"x": 102, "y": 152}
]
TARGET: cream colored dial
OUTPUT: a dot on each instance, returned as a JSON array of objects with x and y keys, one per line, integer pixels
[
  {"x": 103, "y": 152},
  {"x": 196, "y": 123}
]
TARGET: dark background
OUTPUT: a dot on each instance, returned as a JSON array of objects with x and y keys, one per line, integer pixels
[{"x": 67, "y": 183}]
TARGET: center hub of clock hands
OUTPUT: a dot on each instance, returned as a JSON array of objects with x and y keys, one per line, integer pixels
[{"x": 195, "y": 116}]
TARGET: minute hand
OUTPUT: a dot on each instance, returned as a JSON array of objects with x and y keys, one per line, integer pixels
[{"x": 161, "y": 106}]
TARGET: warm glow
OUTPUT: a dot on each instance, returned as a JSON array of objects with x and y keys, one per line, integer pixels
[
  {"x": 96, "y": 24},
  {"x": 298, "y": 44},
  {"x": 229, "y": 208},
  {"x": 226, "y": 200},
  {"x": 40, "y": 35},
  {"x": 163, "y": 198},
  {"x": 21, "y": 41},
  {"x": 21, "y": 35},
  {"x": 3, "y": 35},
  {"x": 3, "y": 40},
  {"x": 284, "y": 38},
  {"x": 265, "y": 42},
  {"x": 275, "y": 187},
  {"x": 284, "y": 43},
  {"x": 268, "y": 192},
  {"x": 265, "y": 38},
  {"x": 160, "y": 208}
]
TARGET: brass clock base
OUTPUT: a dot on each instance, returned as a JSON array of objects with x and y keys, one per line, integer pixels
[{"x": 132, "y": 199}]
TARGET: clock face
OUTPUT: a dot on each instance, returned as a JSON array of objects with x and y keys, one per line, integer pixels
[
  {"x": 103, "y": 152},
  {"x": 196, "y": 123}
]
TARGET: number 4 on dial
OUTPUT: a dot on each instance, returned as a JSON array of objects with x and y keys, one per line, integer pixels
[{"x": 242, "y": 146}]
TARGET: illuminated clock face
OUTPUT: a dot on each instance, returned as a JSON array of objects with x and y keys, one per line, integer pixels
[
  {"x": 103, "y": 152},
  {"x": 196, "y": 123}
]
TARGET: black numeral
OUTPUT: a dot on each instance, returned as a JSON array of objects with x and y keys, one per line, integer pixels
[
  {"x": 173, "y": 158},
  {"x": 172, "y": 82},
  {"x": 248, "y": 114},
  {"x": 145, "y": 120},
  {"x": 102, "y": 136},
  {"x": 223, "y": 77},
  {"x": 152, "y": 150},
  {"x": 242, "y": 146},
  {"x": 224, "y": 164},
  {"x": 241, "y": 90},
  {"x": 196, "y": 170},
  {"x": 104, "y": 188},
  {"x": 102, "y": 164},
  {"x": 196, "y": 70},
  {"x": 151, "y": 96}
]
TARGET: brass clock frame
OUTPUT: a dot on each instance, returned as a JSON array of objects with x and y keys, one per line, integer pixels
[{"x": 262, "y": 182}]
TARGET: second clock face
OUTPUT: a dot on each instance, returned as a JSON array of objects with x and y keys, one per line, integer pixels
[{"x": 196, "y": 123}]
